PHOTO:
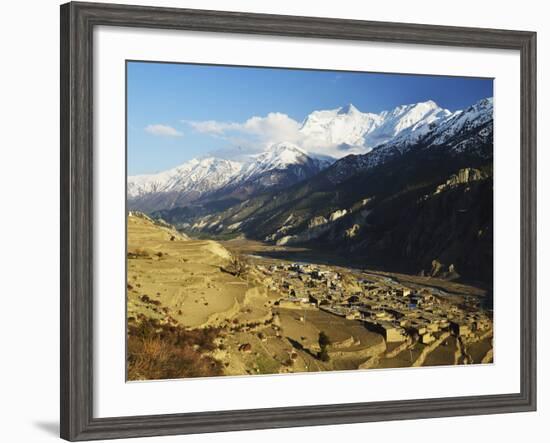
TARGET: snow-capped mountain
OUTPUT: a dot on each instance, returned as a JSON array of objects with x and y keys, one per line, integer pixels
[
  {"x": 346, "y": 126},
  {"x": 358, "y": 132},
  {"x": 281, "y": 165},
  {"x": 199, "y": 175},
  {"x": 281, "y": 156},
  {"x": 398, "y": 174},
  {"x": 475, "y": 116},
  {"x": 459, "y": 131},
  {"x": 408, "y": 122},
  {"x": 375, "y": 137},
  {"x": 393, "y": 205}
]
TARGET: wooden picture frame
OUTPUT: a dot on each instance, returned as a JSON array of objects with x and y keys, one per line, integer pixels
[{"x": 77, "y": 23}]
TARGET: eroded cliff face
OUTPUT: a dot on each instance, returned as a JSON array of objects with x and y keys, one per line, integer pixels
[
  {"x": 443, "y": 230},
  {"x": 447, "y": 234},
  {"x": 463, "y": 176}
]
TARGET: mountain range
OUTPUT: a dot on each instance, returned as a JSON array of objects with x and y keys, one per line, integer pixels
[
  {"x": 284, "y": 163},
  {"x": 353, "y": 130},
  {"x": 412, "y": 190}
]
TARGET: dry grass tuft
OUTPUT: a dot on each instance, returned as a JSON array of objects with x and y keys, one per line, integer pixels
[
  {"x": 161, "y": 351},
  {"x": 238, "y": 266},
  {"x": 138, "y": 253}
]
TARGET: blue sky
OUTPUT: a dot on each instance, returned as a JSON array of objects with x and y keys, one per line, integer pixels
[{"x": 179, "y": 111}]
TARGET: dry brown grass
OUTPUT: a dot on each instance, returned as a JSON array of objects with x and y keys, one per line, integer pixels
[{"x": 160, "y": 351}]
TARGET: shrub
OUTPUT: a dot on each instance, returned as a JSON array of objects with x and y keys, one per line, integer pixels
[
  {"x": 159, "y": 351},
  {"x": 137, "y": 253},
  {"x": 145, "y": 299},
  {"x": 237, "y": 267},
  {"x": 323, "y": 355},
  {"x": 324, "y": 342}
]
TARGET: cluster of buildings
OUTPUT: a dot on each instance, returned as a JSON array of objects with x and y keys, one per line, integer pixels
[{"x": 382, "y": 304}]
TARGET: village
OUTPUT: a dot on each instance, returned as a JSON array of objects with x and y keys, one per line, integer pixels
[
  {"x": 381, "y": 304},
  {"x": 247, "y": 309}
]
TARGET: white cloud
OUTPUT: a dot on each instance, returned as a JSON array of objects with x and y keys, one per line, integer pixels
[
  {"x": 273, "y": 128},
  {"x": 258, "y": 133},
  {"x": 212, "y": 127},
  {"x": 163, "y": 130}
]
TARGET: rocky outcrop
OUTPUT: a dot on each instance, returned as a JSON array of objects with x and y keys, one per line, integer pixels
[
  {"x": 463, "y": 176},
  {"x": 304, "y": 236},
  {"x": 317, "y": 221},
  {"x": 316, "y": 226},
  {"x": 337, "y": 214},
  {"x": 352, "y": 232},
  {"x": 442, "y": 271}
]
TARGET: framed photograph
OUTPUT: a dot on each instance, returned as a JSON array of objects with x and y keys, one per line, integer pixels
[{"x": 273, "y": 221}]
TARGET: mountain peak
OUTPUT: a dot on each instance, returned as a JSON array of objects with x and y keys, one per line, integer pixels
[
  {"x": 348, "y": 109},
  {"x": 280, "y": 155},
  {"x": 422, "y": 107},
  {"x": 483, "y": 103},
  {"x": 285, "y": 146},
  {"x": 207, "y": 162},
  {"x": 429, "y": 104}
]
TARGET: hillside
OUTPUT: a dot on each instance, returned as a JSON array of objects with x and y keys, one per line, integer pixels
[
  {"x": 197, "y": 308},
  {"x": 422, "y": 206},
  {"x": 192, "y": 312}
]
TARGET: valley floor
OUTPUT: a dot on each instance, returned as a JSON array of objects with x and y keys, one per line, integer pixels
[{"x": 207, "y": 308}]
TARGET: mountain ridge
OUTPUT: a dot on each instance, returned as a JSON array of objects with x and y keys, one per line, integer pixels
[
  {"x": 283, "y": 164},
  {"x": 358, "y": 132},
  {"x": 393, "y": 204}
]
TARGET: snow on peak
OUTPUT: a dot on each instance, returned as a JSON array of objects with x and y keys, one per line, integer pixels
[
  {"x": 349, "y": 127},
  {"x": 476, "y": 115},
  {"x": 348, "y": 109},
  {"x": 341, "y": 126},
  {"x": 430, "y": 104},
  {"x": 278, "y": 156},
  {"x": 281, "y": 154},
  {"x": 424, "y": 125},
  {"x": 196, "y": 174},
  {"x": 346, "y": 127},
  {"x": 208, "y": 174},
  {"x": 410, "y": 118},
  {"x": 282, "y": 147},
  {"x": 407, "y": 122}
]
